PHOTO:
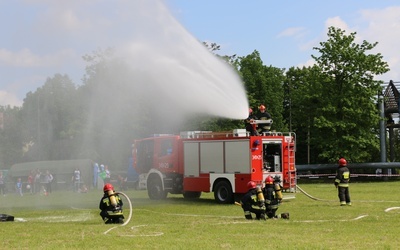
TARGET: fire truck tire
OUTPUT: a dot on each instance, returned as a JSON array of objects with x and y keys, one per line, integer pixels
[
  {"x": 155, "y": 189},
  {"x": 191, "y": 195},
  {"x": 223, "y": 192}
]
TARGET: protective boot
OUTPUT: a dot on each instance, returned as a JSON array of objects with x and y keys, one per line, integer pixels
[{"x": 285, "y": 216}]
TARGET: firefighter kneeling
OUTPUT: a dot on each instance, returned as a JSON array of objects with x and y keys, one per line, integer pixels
[
  {"x": 111, "y": 206},
  {"x": 273, "y": 197},
  {"x": 253, "y": 202}
]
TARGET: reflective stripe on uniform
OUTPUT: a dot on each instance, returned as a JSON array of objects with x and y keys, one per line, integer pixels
[
  {"x": 119, "y": 212},
  {"x": 272, "y": 206}
]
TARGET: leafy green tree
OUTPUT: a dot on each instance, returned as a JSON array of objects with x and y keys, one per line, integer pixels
[
  {"x": 303, "y": 97},
  {"x": 11, "y": 140},
  {"x": 347, "y": 119},
  {"x": 50, "y": 120}
]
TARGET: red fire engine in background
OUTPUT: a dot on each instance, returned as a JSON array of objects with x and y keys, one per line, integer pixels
[{"x": 204, "y": 161}]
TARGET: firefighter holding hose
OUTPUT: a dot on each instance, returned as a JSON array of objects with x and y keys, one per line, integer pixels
[
  {"x": 253, "y": 202},
  {"x": 111, "y": 206},
  {"x": 250, "y": 127}
]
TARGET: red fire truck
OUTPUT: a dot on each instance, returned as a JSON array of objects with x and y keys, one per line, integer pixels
[{"x": 204, "y": 161}]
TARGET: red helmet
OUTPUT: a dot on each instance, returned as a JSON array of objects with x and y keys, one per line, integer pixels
[
  {"x": 262, "y": 107},
  {"x": 108, "y": 187},
  {"x": 269, "y": 180},
  {"x": 251, "y": 185},
  {"x": 342, "y": 162},
  {"x": 250, "y": 111}
]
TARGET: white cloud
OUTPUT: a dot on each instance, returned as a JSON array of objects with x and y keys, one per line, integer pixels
[
  {"x": 376, "y": 25},
  {"x": 7, "y": 98},
  {"x": 26, "y": 58},
  {"x": 336, "y": 22},
  {"x": 308, "y": 63},
  {"x": 372, "y": 25},
  {"x": 65, "y": 21},
  {"x": 383, "y": 26},
  {"x": 293, "y": 31}
]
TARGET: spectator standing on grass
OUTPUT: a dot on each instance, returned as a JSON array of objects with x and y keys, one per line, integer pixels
[
  {"x": 342, "y": 183},
  {"x": 96, "y": 171},
  {"x": 102, "y": 174},
  {"x": 48, "y": 179},
  {"x": 2, "y": 184},
  {"x": 36, "y": 181},
  {"x": 122, "y": 182},
  {"x": 29, "y": 181},
  {"x": 76, "y": 179},
  {"x": 108, "y": 174},
  {"x": 18, "y": 187}
]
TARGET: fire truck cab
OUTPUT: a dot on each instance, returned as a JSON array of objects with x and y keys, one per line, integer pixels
[{"x": 203, "y": 161}]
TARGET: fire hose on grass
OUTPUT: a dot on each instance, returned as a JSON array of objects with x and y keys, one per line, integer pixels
[
  {"x": 130, "y": 208},
  {"x": 308, "y": 195},
  {"x": 130, "y": 213},
  {"x": 109, "y": 189}
]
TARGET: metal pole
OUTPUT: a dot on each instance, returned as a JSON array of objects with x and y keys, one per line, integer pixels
[
  {"x": 391, "y": 148},
  {"x": 382, "y": 132}
]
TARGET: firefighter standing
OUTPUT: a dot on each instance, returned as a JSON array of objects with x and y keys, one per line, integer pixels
[
  {"x": 263, "y": 115},
  {"x": 342, "y": 182},
  {"x": 111, "y": 206},
  {"x": 273, "y": 196},
  {"x": 253, "y": 202},
  {"x": 251, "y": 128}
]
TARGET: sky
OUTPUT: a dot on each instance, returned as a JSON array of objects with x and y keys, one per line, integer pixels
[{"x": 41, "y": 38}]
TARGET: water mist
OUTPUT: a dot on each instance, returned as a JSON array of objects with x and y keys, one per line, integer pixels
[
  {"x": 181, "y": 75},
  {"x": 156, "y": 63}
]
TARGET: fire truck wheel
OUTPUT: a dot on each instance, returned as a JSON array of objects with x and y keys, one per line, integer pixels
[
  {"x": 191, "y": 195},
  {"x": 155, "y": 190},
  {"x": 223, "y": 192}
]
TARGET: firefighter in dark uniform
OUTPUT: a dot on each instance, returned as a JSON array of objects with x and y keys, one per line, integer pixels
[
  {"x": 253, "y": 202},
  {"x": 251, "y": 128},
  {"x": 272, "y": 197},
  {"x": 111, "y": 206},
  {"x": 263, "y": 115},
  {"x": 342, "y": 182}
]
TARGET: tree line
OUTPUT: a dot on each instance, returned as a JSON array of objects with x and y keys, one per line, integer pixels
[{"x": 331, "y": 106}]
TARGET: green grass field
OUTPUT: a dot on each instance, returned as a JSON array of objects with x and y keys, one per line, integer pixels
[{"x": 66, "y": 220}]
